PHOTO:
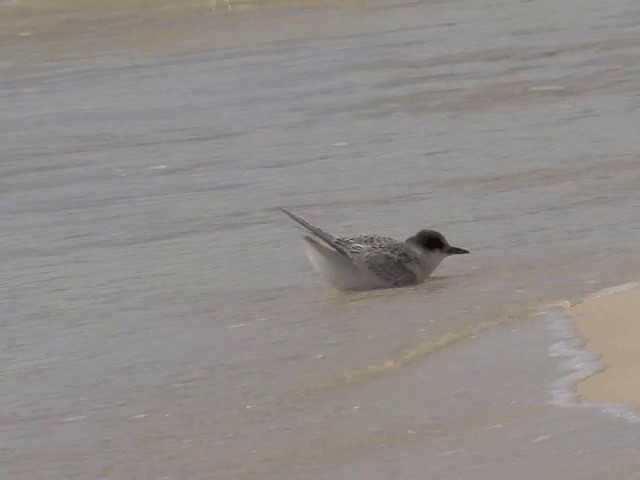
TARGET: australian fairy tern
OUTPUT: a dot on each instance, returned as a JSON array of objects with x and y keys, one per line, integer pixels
[{"x": 366, "y": 262}]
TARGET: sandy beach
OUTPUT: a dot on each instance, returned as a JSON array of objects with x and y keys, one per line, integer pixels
[{"x": 611, "y": 327}]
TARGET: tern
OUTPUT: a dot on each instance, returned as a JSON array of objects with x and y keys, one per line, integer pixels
[{"x": 370, "y": 261}]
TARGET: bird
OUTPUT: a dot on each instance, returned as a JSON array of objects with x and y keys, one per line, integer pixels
[{"x": 371, "y": 261}]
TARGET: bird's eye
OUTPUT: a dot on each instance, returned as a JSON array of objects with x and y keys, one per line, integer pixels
[{"x": 433, "y": 243}]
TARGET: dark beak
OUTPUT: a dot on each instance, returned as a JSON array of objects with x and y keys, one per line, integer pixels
[{"x": 456, "y": 251}]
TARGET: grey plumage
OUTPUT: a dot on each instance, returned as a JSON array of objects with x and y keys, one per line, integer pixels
[
  {"x": 361, "y": 262},
  {"x": 318, "y": 233},
  {"x": 392, "y": 265}
]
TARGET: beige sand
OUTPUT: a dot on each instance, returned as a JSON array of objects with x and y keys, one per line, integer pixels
[{"x": 611, "y": 325}]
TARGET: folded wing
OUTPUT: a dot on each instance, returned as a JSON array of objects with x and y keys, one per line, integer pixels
[{"x": 389, "y": 267}]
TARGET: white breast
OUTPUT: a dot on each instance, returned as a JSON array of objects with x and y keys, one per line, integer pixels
[{"x": 427, "y": 263}]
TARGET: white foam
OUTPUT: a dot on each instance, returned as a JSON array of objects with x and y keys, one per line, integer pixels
[
  {"x": 579, "y": 364},
  {"x": 620, "y": 288}
]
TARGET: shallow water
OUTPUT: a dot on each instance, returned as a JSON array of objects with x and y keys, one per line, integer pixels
[{"x": 159, "y": 317}]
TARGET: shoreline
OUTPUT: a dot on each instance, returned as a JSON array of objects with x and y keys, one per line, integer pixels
[{"x": 609, "y": 323}]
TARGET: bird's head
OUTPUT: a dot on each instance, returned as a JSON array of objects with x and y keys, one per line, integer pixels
[{"x": 434, "y": 242}]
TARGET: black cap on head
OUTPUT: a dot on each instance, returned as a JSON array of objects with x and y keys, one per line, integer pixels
[{"x": 433, "y": 241}]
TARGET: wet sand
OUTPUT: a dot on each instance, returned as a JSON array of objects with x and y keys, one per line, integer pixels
[{"x": 610, "y": 324}]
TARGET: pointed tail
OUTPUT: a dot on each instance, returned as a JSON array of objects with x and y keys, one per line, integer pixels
[{"x": 326, "y": 237}]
